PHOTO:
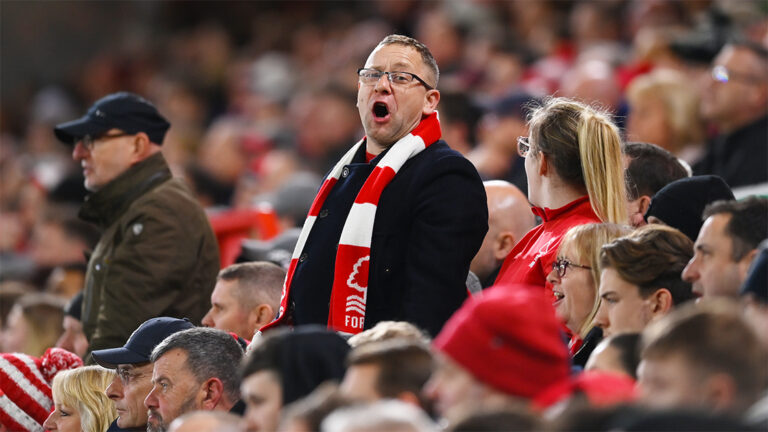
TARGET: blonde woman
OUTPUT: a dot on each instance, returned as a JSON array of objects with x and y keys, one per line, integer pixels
[
  {"x": 34, "y": 324},
  {"x": 575, "y": 177},
  {"x": 80, "y": 401},
  {"x": 664, "y": 110},
  {"x": 575, "y": 278}
]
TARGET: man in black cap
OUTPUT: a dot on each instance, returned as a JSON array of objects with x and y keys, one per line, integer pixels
[
  {"x": 133, "y": 381},
  {"x": 157, "y": 255}
]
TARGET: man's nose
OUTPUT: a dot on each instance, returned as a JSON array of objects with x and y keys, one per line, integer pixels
[
  {"x": 115, "y": 389},
  {"x": 151, "y": 400},
  {"x": 690, "y": 272},
  {"x": 601, "y": 317},
  {"x": 383, "y": 84},
  {"x": 79, "y": 151},
  {"x": 207, "y": 321}
]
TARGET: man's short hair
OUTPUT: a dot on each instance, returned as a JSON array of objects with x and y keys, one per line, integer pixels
[
  {"x": 712, "y": 338},
  {"x": 652, "y": 257},
  {"x": 301, "y": 359},
  {"x": 748, "y": 225},
  {"x": 404, "y": 366},
  {"x": 426, "y": 55},
  {"x": 211, "y": 353},
  {"x": 257, "y": 282},
  {"x": 650, "y": 168}
]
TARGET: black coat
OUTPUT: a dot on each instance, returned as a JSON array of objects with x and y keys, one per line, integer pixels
[
  {"x": 740, "y": 158},
  {"x": 430, "y": 222}
]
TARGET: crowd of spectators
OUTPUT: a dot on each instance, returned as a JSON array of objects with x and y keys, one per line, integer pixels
[{"x": 660, "y": 296}]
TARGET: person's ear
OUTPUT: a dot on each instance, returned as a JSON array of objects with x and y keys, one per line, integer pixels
[
  {"x": 503, "y": 244},
  {"x": 543, "y": 161},
  {"x": 643, "y": 203},
  {"x": 212, "y": 393},
  {"x": 142, "y": 147},
  {"x": 720, "y": 392},
  {"x": 661, "y": 302},
  {"x": 431, "y": 99},
  {"x": 745, "y": 263},
  {"x": 261, "y": 315}
]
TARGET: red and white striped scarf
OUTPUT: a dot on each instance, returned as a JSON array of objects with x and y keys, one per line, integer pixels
[{"x": 350, "y": 278}]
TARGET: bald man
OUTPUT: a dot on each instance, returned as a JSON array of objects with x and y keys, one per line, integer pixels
[{"x": 509, "y": 218}]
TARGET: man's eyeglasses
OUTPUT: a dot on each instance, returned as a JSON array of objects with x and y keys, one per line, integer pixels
[
  {"x": 89, "y": 142},
  {"x": 562, "y": 264},
  {"x": 523, "y": 146},
  {"x": 722, "y": 74},
  {"x": 127, "y": 376},
  {"x": 372, "y": 76}
]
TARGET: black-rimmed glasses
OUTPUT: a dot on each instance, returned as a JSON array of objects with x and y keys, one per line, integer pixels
[
  {"x": 562, "y": 264},
  {"x": 372, "y": 76}
]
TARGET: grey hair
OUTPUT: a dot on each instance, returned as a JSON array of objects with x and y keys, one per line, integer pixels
[
  {"x": 211, "y": 353},
  {"x": 392, "y": 414},
  {"x": 426, "y": 55}
]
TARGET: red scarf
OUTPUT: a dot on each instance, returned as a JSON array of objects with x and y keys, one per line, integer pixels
[{"x": 349, "y": 294}]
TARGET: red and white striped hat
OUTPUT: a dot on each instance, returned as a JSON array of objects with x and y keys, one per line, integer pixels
[{"x": 25, "y": 387}]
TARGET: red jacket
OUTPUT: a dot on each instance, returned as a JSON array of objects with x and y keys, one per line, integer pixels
[{"x": 531, "y": 259}]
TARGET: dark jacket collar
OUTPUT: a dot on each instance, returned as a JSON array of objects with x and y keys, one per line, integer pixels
[
  {"x": 548, "y": 214},
  {"x": 104, "y": 206},
  {"x": 115, "y": 428}
]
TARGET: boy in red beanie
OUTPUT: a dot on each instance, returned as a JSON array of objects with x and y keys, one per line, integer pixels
[{"x": 500, "y": 349}]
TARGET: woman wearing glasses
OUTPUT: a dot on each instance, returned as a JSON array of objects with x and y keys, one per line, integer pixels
[
  {"x": 575, "y": 176},
  {"x": 575, "y": 277}
]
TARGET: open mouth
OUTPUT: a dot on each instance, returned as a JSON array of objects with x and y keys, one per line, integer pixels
[
  {"x": 380, "y": 110},
  {"x": 558, "y": 296}
]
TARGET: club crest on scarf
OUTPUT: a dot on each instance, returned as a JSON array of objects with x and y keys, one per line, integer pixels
[{"x": 349, "y": 294}]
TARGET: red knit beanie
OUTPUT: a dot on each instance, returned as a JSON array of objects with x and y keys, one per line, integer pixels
[
  {"x": 508, "y": 338},
  {"x": 25, "y": 387}
]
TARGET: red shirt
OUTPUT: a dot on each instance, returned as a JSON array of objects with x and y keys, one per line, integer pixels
[{"x": 531, "y": 259}]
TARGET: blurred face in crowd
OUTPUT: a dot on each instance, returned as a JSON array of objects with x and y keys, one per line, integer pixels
[
  {"x": 109, "y": 156},
  {"x": 16, "y": 331},
  {"x": 711, "y": 270},
  {"x": 574, "y": 292},
  {"x": 360, "y": 382},
  {"x": 390, "y": 111},
  {"x": 128, "y": 389},
  {"x": 669, "y": 381},
  {"x": 453, "y": 389},
  {"x": 73, "y": 339},
  {"x": 647, "y": 121},
  {"x": 64, "y": 418},
  {"x": 175, "y": 390},
  {"x": 227, "y": 312},
  {"x": 737, "y": 100},
  {"x": 263, "y": 397},
  {"x": 622, "y": 308}
]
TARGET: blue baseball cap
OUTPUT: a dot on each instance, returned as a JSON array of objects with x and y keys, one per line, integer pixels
[
  {"x": 144, "y": 339},
  {"x": 125, "y": 111}
]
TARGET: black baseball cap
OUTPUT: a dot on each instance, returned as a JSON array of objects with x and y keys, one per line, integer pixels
[
  {"x": 125, "y": 111},
  {"x": 144, "y": 339}
]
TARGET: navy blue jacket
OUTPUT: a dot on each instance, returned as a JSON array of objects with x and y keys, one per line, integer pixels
[{"x": 430, "y": 222}]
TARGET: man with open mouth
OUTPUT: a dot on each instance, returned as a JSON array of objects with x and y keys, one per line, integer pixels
[{"x": 393, "y": 229}]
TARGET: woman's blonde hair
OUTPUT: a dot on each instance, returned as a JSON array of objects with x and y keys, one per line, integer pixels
[
  {"x": 83, "y": 389},
  {"x": 584, "y": 243},
  {"x": 584, "y": 146},
  {"x": 680, "y": 101}
]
